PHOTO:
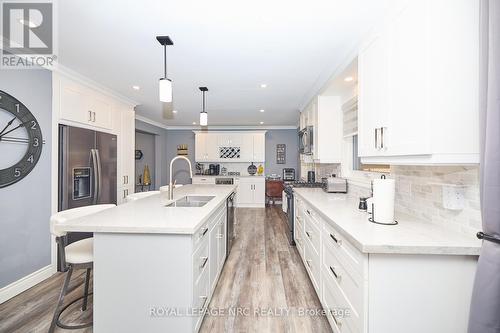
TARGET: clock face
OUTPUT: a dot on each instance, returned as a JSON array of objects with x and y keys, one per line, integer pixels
[{"x": 20, "y": 140}]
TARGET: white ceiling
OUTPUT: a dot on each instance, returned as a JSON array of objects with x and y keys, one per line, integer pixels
[{"x": 230, "y": 46}]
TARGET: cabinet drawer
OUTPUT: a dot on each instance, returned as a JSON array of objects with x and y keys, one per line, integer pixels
[
  {"x": 312, "y": 234},
  {"x": 203, "y": 180},
  {"x": 312, "y": 263},
  {"x": 349, "y": 282},
  {"x": 299, "y": 241},
  {"x": 347, "y": 254},
  {"x": 200, "y": 260},
  {"x": 200, "y": 299},
  {"x": 340, "y": 320},
  {"x": 201, "y": 234}
]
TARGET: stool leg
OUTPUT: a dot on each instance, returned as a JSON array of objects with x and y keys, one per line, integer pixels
[
  {"x": 87, "y": 280},
  {"x": 61, "y": 299}
]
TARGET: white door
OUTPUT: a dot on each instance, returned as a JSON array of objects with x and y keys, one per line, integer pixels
[
  {"x": 245, "y": 192},
  {"x": 213, "y": 255},
  {"x": 74, "y": 102},
  {"x": 200, "y": 153},
  {"x": 259, "y": 192},
  {"x": 259, "y": 147},
  {"x": 102, "y": 111},
  {"x": 211, "y": 147},
  {"x": 221, "y": 255},
  {"x": 372, "y": 78},
  {"x": 407, "y": 131}
]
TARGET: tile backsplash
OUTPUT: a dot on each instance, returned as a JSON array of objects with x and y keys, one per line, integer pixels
[{"x": 419, "y": 192}]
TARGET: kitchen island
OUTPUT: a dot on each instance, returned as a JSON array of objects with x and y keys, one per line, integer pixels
[{"x": 156, "y": 267}]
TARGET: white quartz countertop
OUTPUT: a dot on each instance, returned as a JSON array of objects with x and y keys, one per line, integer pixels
[
  {"x": 410, "y": 236},
  {"x": 149, "y": 215}
]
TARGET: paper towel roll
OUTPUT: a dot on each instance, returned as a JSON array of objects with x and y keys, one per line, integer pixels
[{"x": 383, "y": 200}]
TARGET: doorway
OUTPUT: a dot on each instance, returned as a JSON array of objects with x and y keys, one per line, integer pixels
[{"x": 145, "y": 156}]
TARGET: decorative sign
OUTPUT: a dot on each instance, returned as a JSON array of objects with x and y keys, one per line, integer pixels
[
  {"x": 281, "y": 153},
  {"x": 182, "y": 150},
  {"x": 138, "y": 154}
]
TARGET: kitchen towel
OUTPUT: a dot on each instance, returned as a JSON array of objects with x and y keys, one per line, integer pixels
[{"x": 383, "y": 200}]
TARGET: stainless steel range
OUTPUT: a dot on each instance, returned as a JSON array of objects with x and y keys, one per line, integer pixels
[{"x": 290, "y": 210}]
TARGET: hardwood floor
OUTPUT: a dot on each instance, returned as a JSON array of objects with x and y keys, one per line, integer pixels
[{"x": 263, "y": 278}]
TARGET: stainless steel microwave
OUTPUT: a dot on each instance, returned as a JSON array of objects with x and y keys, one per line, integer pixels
[{"x": 306, "y": 140}]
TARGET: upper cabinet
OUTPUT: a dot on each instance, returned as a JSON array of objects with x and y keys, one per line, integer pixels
[
  {"x": 324, "y": 114},
  {"x": 83, "y": 105},
  {"x": 225, "y": 146},
  {"x": 418, "y": 86}
]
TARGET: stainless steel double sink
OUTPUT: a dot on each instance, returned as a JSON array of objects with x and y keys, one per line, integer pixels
[{"x": 191, "y": 201}]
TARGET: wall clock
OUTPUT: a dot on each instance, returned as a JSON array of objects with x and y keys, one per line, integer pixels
[{"x": 20, "y": 140}]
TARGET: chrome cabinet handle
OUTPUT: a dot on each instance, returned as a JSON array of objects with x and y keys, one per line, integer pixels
[
  {"x": 308, "y": 212},
  {"x": 309, "y": 263},
  {"x": 381, "y": 137},
  {"x": 203, "y": 232},
  {"x": 204, "y": 298},
  {"x": 337, "y": 276},
  {"x": 308, "y": 235},
  {"x": 376, "y": 138},
  {"x": 93, "y": 118},
  {"x": 90, "y": 115},
  {"x": 203, "y": 262},
  {"x": 338, "y": 241}
]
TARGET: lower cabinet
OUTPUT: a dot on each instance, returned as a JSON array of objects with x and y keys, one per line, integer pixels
[
  {"x": 251, "y": 191},
  {"x": 382, "y": 292}
]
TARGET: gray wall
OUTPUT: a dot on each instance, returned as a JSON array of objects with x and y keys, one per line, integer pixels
[
  {"x": 288, "y": 137},
  {"x": 145, "y": 142},
  {"x": 25, "y": 206},
  {"x": 160, "y": 151},
  {"x": 175, "y": 138}
]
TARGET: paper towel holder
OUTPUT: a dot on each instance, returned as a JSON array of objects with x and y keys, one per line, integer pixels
[{"x": 372, "y": 219}]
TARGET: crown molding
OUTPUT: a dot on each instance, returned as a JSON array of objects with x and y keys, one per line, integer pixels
[{"x": 219, "y": 127}]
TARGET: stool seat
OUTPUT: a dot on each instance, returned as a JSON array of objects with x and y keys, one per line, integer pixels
[{"x": 80, "y": 252}]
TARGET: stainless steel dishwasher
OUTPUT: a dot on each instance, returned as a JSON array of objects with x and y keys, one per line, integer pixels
[{"x": 230, "y": 222}]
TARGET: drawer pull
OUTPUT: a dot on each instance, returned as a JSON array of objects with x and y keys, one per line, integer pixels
[
  {"x": 338, "y": 322},
  {"x": 338, "y": 241},
  {"x": 309, "y": 263},
  {"x": 308, "y": 212},
  {"x": 337, "y": 276},
  {"x": 308, "y": 235},
  {"x": 203, "y": 232},
  {"x": 204, "y": 262},
  {"x": 204, "y": 298}
]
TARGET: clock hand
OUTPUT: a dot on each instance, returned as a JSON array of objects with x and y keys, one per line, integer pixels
[
  {"x": 20, "y": 125},
  {"x": 8, "y": 124}
]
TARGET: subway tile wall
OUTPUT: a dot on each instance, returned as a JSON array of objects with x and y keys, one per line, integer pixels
[{"x": 419, "y": 192}]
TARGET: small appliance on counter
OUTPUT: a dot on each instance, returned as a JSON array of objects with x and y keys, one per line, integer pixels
[
  {"x": 334, "y": 184},
  {"x": 288, "y": 174},
  {"x": 311, "y": 176},
  {"x": 214, "y": 169}
]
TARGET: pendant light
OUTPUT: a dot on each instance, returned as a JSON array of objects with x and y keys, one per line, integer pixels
[
  {"x": 165, "y": 83},
  {"x": 203, "y": 113}
]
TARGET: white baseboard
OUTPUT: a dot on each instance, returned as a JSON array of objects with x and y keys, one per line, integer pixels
[{"x": 17, "y": 287}]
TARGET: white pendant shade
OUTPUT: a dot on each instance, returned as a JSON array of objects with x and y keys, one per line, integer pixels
[
  {"x": 165, "y": 90},
  {"x": 203, "y": 118}
]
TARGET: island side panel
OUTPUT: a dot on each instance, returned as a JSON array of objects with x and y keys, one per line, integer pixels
[
  {"x": 420, "y": 293},
  {"x": 137, "y": 274}
]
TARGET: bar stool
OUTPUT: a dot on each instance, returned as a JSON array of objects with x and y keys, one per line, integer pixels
[
  {"x": 77, "y": 255},
  {"x": 140, "y": 195}
]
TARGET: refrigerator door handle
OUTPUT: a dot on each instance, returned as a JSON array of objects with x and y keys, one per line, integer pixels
[
  {"x": 95, "y": 175},
  {"x": 99, "y": 177}
]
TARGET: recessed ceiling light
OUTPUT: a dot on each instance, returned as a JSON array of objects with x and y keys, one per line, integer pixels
[
  {"x": 262, "y": 123},
  {"x": 194, "y": 122},
  {"x": 27, "y": 23},
  {"x": 262, "y": 110},
  {"x": 174, "y": 111},
  {"x": 348, "y": 79},
  {"x": 136, "y": 87},
  {"x": 263, "y": 85}
]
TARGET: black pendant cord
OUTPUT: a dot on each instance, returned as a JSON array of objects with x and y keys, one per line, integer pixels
[
  {"x": 165, "y": 59},
  {"x": 203, "y": 103},
  {"x": 490, "y": 238}
]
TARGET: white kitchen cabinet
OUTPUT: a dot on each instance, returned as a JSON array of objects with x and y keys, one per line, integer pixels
[
  {"x": 126, "y": 152},
  {"x": 251, "y": 146},
  {"x": 203, "y": 180},
  {"x": 84, "y": 105},
  {"x": 418, "y": 88},
  {"x": 251, "y": 191}
]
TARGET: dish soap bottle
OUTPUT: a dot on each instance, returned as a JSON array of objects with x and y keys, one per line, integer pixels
[{"x": 260, "y": 170}]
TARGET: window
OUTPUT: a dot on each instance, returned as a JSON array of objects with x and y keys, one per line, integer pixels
[{"x": 356, "y": 160}]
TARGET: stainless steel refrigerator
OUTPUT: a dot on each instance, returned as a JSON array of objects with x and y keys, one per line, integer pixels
[{"x": 87, "y": 170}]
